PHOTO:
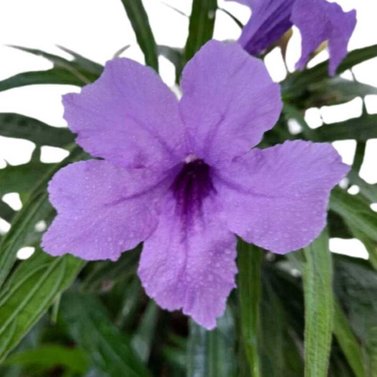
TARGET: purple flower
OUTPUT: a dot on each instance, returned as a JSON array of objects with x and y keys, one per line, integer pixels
[
  {"x": 318, "y": 21},
  {"x": 181, "y": 177}
]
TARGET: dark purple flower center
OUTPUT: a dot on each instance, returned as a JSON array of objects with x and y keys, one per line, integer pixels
[{"x": 191, "y": 186}]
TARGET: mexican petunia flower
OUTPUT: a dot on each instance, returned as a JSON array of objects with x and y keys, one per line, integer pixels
[
  {"x": 182, "y": 177},
  {"x": 317, "y": 20}
]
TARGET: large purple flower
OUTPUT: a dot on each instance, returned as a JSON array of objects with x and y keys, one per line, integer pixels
[
  {"x": 318, "y": 21},
  {"x": 182, "y": 177}
]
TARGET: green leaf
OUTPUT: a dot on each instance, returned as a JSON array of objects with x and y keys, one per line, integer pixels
[
  {"x": 23, "y": 127},
  {"x": 175, "y": 56},
  {"x": 110, "y": 351},
  {"x": 360, "y": 129},
  {"x": 356, "y": 287},
  {"x": 300, "y": 80},
  {"x": 78, "y": 72},
  {"x": 211, "y": 353},
  {"x": 140, "y": 23},
  {"x": 51, "y": 76},
  {"x": 29, "y": 292},
  {"x": 202, "y": 22},
  {"x": 355, "y": 212},
  {"x": 348, "y": 342},
  {"x": 34, "y": 210},
  {"x": 143, "y": 338},
  {"x": 84, "y": 63},
  {"x": 6, "y": 212},
  {"x": 22, "y": 178},
  {"x": 249, "y": 292},
  {"x": 49, "y": 356},
  {"x": 319, "y": 306},
  {"x": 330, "y": 91}
]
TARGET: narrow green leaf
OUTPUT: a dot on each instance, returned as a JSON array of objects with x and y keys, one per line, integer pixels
[
  {"x": 84, "y": 63},
  {"x": 29, "y": 292},
  {"x": 202, "y": 22},
  {"x": 23, "y": 127},
  {"x": 319, "y": 306},
  {"x": 143, "y": 338},
  {"x": 330, "y": 91},
  {"x": 51, "y": 76},
  {"x": 249, "y": 292},
  {"x": 81, "y": 67},
  {"x": 110, "y": 351},
  {"x": 175, "y": 56},
  {"x": 361, "y": 129},
  {"x": 355, "y": 212},
  {"x": 140, "y": 23},
  {"x": 49, "y": 356},
  {"x": 34, "y": 210},
  {"x": 211, "y": 353},
  {"x": 300, "y": 80},
  {"x": 22, "y": 178},
  {"x": 6, "y": 212},
  {"x": 348, "y": 342}
]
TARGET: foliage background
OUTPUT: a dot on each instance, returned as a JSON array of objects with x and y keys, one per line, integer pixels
[{"x": 311, "y": 313}]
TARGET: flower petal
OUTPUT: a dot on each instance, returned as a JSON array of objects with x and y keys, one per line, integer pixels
[
  {"x": 319, "y": 21},
  {"x": 102, "y": 210},
  {"x": 190, "y": 268},
  {"x": 270, "y": 19},
  {"x": 128, "y": 116},
  {"x": 277, "y": 198},
  {"x": 229, "y": 101}
]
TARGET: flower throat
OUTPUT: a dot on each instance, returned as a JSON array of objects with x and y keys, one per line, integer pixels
[{"x": 191, "y": 186}]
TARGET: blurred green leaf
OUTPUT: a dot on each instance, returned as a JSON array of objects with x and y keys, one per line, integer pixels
[
  {"x": 51, "y": 76},
  {"x": 211, "y": 353},
  {"x": 249, "y": 292},
  {"x": 348, "y": 342},
  {"x": 300, "y": 80},
  {"x": 356, "y": 212},
  {"x": 48, "y": 356},
  {"x": 22, "y": 178},
  {"x": 330, "y": 91},
  {"x": 140, "y": 23},
  {"x": 84, "y": 63},
  {"x": 202, "y": 22},
  {"x": 175, "y": 56},
  {"x": 356, "y": 287},
  {"x": 143, "y": 339},
  {"x": 110, "y": 351},
  {"x": 29, "y": 292},
  {"x": 34, "y": 210},
  {"x": 361, "y": 129},
  {"x": 6, "y": 212},
  {"x": 319, "y": 307},
  {"x": 65, "y": 72},
  {"x": 23, "y": 127}
]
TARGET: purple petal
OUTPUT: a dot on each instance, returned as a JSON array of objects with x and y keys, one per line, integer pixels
[
  {"x": 128, "y": 116},
  {"x": 277, "y": 198},
  {"x": 190, "y": 267},
  {"x": 229, "y": 101},
  {"x": 102, "y": 210},
  {"x": 319, "y": 21},
  {"x": 270, "y": 19}
]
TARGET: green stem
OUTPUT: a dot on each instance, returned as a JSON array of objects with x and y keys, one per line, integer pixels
[{"x": 249, "y": 292}]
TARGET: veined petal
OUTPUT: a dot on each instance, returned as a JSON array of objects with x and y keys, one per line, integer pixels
[
  {"x": 277, "y": 197},
  {"x": 102, "y": 210},
  {"x": 190, "y": 267},
  {"x": 319, "y": 21},
  {"x": 229, "y": 101},
  {"x": 128, "y": 116},
  {"x": 270, "y": 19}
]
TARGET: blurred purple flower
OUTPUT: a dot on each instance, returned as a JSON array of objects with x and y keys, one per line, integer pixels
[
  {"x": 181, "y": 177},
  {"x": 317, "y": 20}
]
